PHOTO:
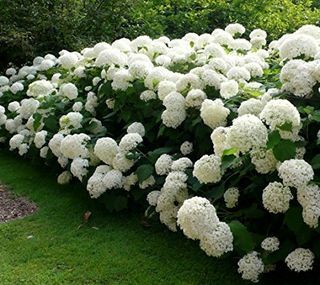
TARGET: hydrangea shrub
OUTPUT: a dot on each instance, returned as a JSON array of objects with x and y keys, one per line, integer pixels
[{"x": 216, "y": 134}]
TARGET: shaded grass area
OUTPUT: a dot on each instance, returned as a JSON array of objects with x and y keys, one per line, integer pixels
[{"x": 50, "y": 248}]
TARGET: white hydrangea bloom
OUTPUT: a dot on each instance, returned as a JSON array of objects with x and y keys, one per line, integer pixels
[
  {"x": 173, "y": 118},
  {"x": 219, "y": 140},
  {"x": 73, "y": 146},
  {"x": 95, "y": 185},
  {"x": 77, "y": 107},
  {"x": 16, "y": 87},
  {"x": 40, "y": 139},
  {"x": 40, "y": 88},
  {"x": 181, "y": 164},
  {"x": 165, "y": 87},
  {"x": 217, "y": 241},
  {"x": 152, "y": 198},
  {"x": 106, "y": 149},
  {"x": 14, "y": 106},
  {"x": 28, "y": 107},
  {"x": 148, "y": 95},
  {"x": 246, "y": 133},
  {"x": 277, "y": 112},
  {"x": 251, "y": 266},
  {"x": 72, "y": 120},
  {"x": 69, "y": 90},
  {"x": 55, "y": 143},
  {"x": 16, "y": 141},
  {"x": 229, "y": 89},
  {"x": 301, "y": 259},
  {"x": 163, "y": 164},
  {"x": 129, "y": 181},
  {"x": 235, "y": 29},
  {"x": 276, "y": 197},
  {"x": 130, "y": 141},
  {"x": 194, "y": 98},
  {"x": 23, "y": 149},
  {"x": 64, "y": 178},
  {"x": 270, "y": 244},
  {"x": 295, "y": 172},
  {"x": 298, "y": 45},
  {"x": 121, "y": 162},
  {"x": 251, "y": 106},
  {"x": 79, "y": 167},
  {"x": 208, "y": 169},
  {"x": 231, "y": 197},
  {"x": 112, "y": 179},
  {"x": 68, "y": 60},
  {"x": 44, "y": 151},
  {"x": 196, "y": 217},
  {"x": 263, "y": 160},
  {"x": 136, "y": 127},
  {"x": 213, "y": 113}
]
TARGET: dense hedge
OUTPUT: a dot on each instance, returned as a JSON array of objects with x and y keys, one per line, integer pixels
[
  {"x": 28, "y": 28},
  {"x": 214, "y": 134}
]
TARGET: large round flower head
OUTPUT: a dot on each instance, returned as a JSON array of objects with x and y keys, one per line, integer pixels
[
  {"x": 148, "y": 95},
  {"x": 129, "y": 142},
  {"x": 208, "y": 169},
  {"x": 295, "y": 173},
  {"x": 72, "y": 120},
  {"x": 55, "y": 143},
  {"x": 298, "y": 77},
  {"x": 73, "y": 146},
  {"x": 136, "y": 127},
  {"x": 173, "y": 118},
  {"x": 106, "y": 149},
  {"x": 251, "y": 266},
  {"x": 238, "y": 73},
  {"x": 196, "y": 216},
  {"x": 187, "y": 82},
  {"x": 69, "y": 90},
  {"x": 140, "y": 68},
  {"x": 16, "y": 87},
  {"x": 298, "y": 45},
  {"x": 68, "y": 60},
  {"x": 301, "y": 259},
  {"x": 121, "y": 162},
  {"x": 231, "y": 197},
  {"x": 111, "y": 56},
  {"x": 229, "y": 89},
  {"x": 219, "y": 140},
  {"x": 263, "y": 160},
  {"x": 309, "y": 198},
  {"x": 251, "y": 106},
  {"x": 40, "y": 88},
  {"x": 218, "y": 240},
  {"x": 174, "y": 101},
  {"x": 213, "y": 113},
  {"x": 40, "y": 139},
  {"x": 235, "y": 29},
  {"x": 181, "y": 164},
  {"x": 153, "y": 197},
  {"x": 270, "y": 244},
  {"x": 276, "y": 198},
  {"x": 157, "y": 75},
  {"x": 278, "y": 112},
  {"x": 165, "y": 87},
  {"x": 64, "y": 178},
  {"x": 113, "y": 179},
  {"x": 246, "y": 133},
  {"x": 171, "y": 198},
  {"x": 163, "y": 164},
  {"x": 79, "y": 167},
  {"x": 194, "y": 98},
  {"x": 28, "y": 107}
]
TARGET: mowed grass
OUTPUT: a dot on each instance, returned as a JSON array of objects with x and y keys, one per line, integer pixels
[{"x": 113, "y": 248}]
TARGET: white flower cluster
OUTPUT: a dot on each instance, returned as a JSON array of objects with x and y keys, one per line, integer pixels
[
  {"x": 270, "y": 244},
  {"x": 301, "y": 259},
  {"x": 198, "y": 220},
  {"x": 251, "y": 266}
]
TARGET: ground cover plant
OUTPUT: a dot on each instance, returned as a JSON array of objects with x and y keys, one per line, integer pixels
[{"x": 215, "y": 134}]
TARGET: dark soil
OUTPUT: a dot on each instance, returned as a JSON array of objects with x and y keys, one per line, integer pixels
[{"x": 12, "y": 207}]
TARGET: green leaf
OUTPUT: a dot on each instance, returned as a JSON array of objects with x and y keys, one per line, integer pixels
[
  {"x": 287, "y": 126},
  {"x": 315, "y": 162},
  {"x": 243, "y": 239},
  {"x": 51, "y": 123},
  {"x": 273, "y": 139},
  {"x": 285, "y": 150},
  {"x": 37, "y": 121},
  {"x": 293, "y": 219},
  {"x": 227, "y": 161},
  {"x": 144, "y": 171},
  {"x": 230, "y": 151}
]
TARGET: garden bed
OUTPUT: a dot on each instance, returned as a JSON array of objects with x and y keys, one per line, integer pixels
[{"x": 12, "y": 207}]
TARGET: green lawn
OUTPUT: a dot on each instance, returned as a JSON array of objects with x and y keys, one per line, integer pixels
[{"x": 120, "y": 251}]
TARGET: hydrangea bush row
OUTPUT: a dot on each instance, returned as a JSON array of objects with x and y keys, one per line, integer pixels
[{"x": 216, "y": 134}]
